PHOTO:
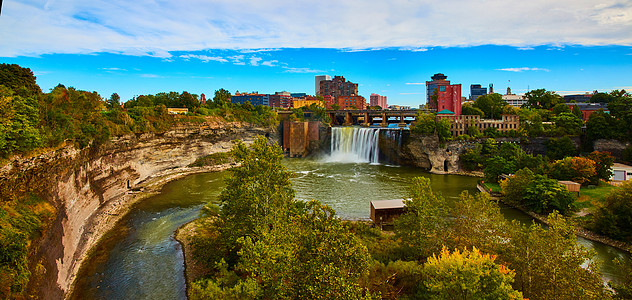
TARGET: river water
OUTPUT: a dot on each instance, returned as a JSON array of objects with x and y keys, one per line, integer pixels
[{"x": 141, "y": 260}]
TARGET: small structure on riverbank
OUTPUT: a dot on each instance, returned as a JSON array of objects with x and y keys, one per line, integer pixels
[
  {"x": 384, "y": 212},
  {"x": 571, "y": 186}
]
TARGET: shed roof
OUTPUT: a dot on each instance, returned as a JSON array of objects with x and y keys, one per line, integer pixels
[
  {"x": 621, "y": 166},
  {"x": 567, "y": 182},
  {"x": 386, "y": 204}
]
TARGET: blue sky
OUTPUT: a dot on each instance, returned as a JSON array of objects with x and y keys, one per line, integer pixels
[{"x": 390, "y": 48}]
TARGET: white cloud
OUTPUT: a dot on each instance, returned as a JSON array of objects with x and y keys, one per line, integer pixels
[
  {"x": 415, "y": 83},
  {"x": 255, "y": 60},
  {"x": 204, "y": 58},
  {"x": 150, "y": 76},
  {"x": 112, "y": 69},
  {"x": 157, "y": 28},
  {"x": 522, "y": 69},
  {"x": 301, "y": 70},
  {"x": 270, "y": 63}
]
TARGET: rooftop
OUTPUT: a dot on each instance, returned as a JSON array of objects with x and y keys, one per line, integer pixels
[{"x": 386, "y": 204}]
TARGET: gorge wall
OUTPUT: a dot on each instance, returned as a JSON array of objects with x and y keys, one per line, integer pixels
[{"x": 92, "y": 189}]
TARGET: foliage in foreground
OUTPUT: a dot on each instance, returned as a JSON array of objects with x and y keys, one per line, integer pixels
[{"x": 270, "y": 240}]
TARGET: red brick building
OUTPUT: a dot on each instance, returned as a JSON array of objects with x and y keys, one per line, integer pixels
[
  {"x": 351, "y": 102},
  {"x": 449, "y": 95}
]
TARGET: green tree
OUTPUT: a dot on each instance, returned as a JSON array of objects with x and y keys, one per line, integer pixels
[
  {"x": 560, "y": 148},
  {"x": 614, "y": 218},
  {"x": 423, "y": 226},
  {"x": 496, "y": 166},
  {"x": 549, "y": 262},
  {"x": 601, "y": 125},
  {"x": 600, "y": 98},
  {"x": 514, "y": 187},
  {"x": 113, "y": 102},
  {"x": 443, "y": 130},
  {"x": 20, "y": 80},
  {"x": 468, "y": 275},
  {"x": 19, "y": 123},
  {"x": 469, "y": 109},
  {"x": 603, "y": 166},
  {"x": 561, "y": 108},
  {"x": 491, "y": 105},
  {"x": 221, "y": 98},
  {"x": 477, "y": 222},
  {"x": 425, "y": 124},
  {"x": 544, "y": 195},
  {"x": 568, "y": 124},
  {"x": 542, "y": 99}
]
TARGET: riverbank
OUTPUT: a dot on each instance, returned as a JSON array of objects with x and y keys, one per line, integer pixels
[
  {"x": 581, "y": 231},
  {"x": 146, "y": 189},
  {"x": 192, "y": 270}
]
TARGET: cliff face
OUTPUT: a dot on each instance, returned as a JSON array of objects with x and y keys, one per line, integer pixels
[
  {"x": 428, "y": 153},
  {"x": 92, "y": 189}
]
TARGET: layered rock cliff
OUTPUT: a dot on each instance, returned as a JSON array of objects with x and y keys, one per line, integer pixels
[{"x": 92, "y": 189}]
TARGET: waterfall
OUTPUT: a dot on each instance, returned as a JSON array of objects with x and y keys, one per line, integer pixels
[{"x": 355, "y": 145}]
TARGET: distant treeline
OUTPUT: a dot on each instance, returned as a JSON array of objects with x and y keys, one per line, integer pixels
[{"x": 31, "y": 119}]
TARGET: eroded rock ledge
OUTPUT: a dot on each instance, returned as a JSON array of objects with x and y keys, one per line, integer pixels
[{"x": 93, "y": 188}]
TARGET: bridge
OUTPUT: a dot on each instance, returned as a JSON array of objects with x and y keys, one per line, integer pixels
[{"x": 367, "y": 117}]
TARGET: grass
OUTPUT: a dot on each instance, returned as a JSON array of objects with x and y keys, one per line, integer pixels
[
  {"x": 495, "y": 187},
  {"x": 589, "y": 197}
]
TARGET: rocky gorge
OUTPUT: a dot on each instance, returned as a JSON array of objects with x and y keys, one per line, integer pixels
[{"x": 92, "y": 188}]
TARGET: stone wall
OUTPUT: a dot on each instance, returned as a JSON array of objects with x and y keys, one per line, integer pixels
[{"x": 92, "y": 189}]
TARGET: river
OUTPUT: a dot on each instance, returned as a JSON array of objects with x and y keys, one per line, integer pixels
[{"x": 141, "y": 260}]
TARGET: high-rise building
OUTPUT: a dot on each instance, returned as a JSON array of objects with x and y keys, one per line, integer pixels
[
  {"x": 378, "y": 100},
  {"x": 448, "y": 95},
  {"x": 477, "y": 90},
  {"x": 338, "y": 87},
  {"x": 317, "y": 80},
  {"x": 491, "y": 88}
]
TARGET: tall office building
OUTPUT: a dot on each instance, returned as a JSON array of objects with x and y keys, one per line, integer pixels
[
  {"x": 448, "y": 95},
  {"x": 378, "y": 100},
  {"x": 477, "y": 90},
  {"x": 338, "y": 87},
  {"x": 317, "y": 80}
]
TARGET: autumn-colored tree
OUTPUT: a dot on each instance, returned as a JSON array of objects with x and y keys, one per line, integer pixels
[
  {"x": 468, "y": 274},
  {"x": 577, "y": 169}
]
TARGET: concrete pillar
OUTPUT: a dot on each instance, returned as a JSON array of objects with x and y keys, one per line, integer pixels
[
  {"x": 348, "y": 119},
  {"x": 402, "y": 123},
  {"x": 384, "y": 119}
]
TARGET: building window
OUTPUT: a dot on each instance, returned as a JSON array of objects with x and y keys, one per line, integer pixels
[{"x": 442, "y": 88}]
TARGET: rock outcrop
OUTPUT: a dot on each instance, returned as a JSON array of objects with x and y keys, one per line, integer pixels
[{"x": 92, "y": 189}]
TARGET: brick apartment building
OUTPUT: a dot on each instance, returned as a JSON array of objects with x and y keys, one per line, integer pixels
[
  {"x": 351, "y": 102},
  {"x": 338, "y": 87},
  {"x": 449, "y": 95},
  {"x": 378, "y": 100}
]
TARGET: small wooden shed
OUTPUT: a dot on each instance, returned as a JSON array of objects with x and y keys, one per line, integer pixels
[
  {"x": 385, "y": 211},
  {"x": 571, "y": 186}
]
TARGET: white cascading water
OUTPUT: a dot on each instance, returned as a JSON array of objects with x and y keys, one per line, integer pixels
[{"x": 355, "y": 145}]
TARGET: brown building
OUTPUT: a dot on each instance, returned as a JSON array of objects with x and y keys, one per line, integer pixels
[
  {"x": 461, "y": 123},
  {"x": 280, "y": 100},
  {"x": 338, "y": 87},
  {"x": 351, "y": 102}
]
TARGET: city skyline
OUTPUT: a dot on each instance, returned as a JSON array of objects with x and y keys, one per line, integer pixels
[{"x": 389, "y": 49}]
